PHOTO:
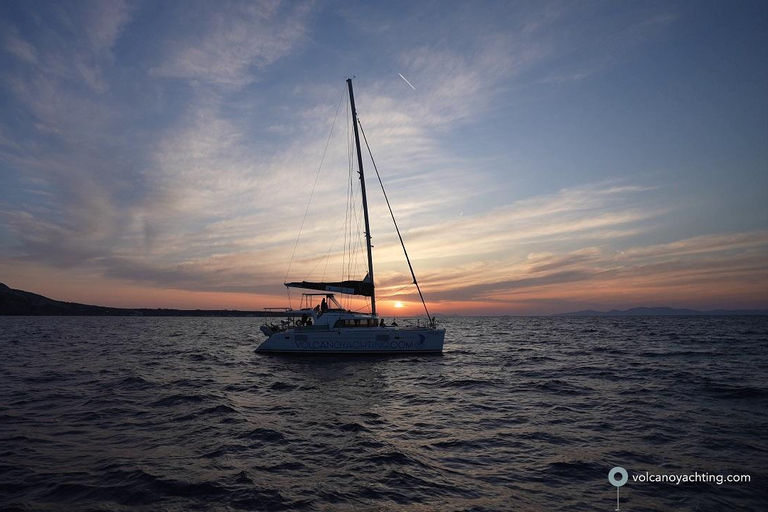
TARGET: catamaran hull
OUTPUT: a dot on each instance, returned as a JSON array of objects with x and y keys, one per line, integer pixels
[{"x": 356, "y": 341}]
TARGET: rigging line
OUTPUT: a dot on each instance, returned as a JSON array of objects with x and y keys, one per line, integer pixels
[
  {"x": 354, "y": 228},
  {"x": 348, "y": 228},
  {"x": 312, "y": 193},
  {"x": 353, "y": 223},
  {"x": 413, "y": 274},
  {"x": 395, "y": 292},
  {"x": 346, "y": 211},
  {"x": 326, "y": 257},
  {"x": 367, "y": 305},
  {"x": 356, "y": 243},
  {"x": 350, "y": 220}
]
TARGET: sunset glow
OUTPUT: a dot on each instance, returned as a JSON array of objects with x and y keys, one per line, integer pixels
[{"x": 153, "y": 156}]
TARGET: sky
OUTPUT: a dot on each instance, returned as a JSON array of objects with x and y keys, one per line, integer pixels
[{"x": 549, "y": 156}]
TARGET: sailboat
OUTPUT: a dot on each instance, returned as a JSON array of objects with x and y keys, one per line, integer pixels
[{"x": 329, "y": 328}]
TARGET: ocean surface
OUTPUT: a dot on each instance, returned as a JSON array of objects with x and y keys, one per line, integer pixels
[{"x": 180, "y": 414}]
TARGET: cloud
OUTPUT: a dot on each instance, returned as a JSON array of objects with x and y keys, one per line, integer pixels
[
  {"x": 711, "y": 267},
  {"x": 61, "y": 81},
  {"x": 104, "y": 22},
  {"x": 577, "y": 245},
  {"x": 105, "y": 186},
  {"x": 588, "y": 213},
  {"x": 186, "y": 169},
  {"x": 19, "y": 47},
  {"x": 221, "y": 46}
]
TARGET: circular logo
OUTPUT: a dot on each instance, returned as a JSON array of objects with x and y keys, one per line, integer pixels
[{"x": 618, "y": 476}]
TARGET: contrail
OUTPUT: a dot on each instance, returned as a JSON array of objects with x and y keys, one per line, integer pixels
[{"x": 406, "y": 81}]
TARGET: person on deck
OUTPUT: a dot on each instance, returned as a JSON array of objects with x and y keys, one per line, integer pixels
[{"x": 323, "y": 306}]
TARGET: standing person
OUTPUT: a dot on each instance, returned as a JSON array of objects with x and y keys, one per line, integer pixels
[{"x": 323, "y": 306}]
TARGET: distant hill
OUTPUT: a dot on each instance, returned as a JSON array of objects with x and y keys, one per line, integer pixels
[
  {"x": 19, "y": 302},
  {"x": 666, "y": 312}
]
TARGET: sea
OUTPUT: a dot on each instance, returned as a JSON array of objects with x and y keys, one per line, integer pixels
[{"x": 518, "y": 413}]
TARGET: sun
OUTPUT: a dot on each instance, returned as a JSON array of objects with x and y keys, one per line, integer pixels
[{"x": 399, "y": 305}]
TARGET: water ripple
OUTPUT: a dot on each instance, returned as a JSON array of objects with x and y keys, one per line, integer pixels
[{"x": 180, "y": 414}]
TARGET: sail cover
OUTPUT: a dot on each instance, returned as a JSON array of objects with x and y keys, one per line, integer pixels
[{"x": 364, "y": 287}]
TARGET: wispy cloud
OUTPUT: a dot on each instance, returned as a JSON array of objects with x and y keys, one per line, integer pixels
[
  {"x": 586, "y": 213},
  {"x": 18, "y": 47},
  {"x": 711, "y": 272},
  {"x": 222, "y": 46},
  {"x": 113, "y": 193}
]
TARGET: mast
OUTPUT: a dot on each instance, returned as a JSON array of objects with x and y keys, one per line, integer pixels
[{"x": 365, "y": 199}]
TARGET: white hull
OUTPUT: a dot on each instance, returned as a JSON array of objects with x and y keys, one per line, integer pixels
[{"x": 370, "y": 340}]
